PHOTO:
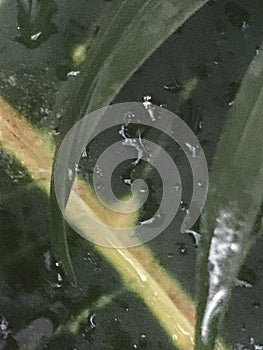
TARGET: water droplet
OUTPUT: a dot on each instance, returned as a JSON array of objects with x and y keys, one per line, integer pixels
[
  {"x": 182, "y": 248},
  {"x": 253, "y": 342},
  {"x": 4, "y": 327},
  {"x": 127, "y": 181},
  {"x": 59, "y": 115},
  {"x": 73, "y": 73},
  {"x": 174, "y": 87},
  {"x": 35, "y": 36},
  {"x": 256, "y": 305},
  {"x": 92, "y": 321},
  {"x": 217, "y": 60},
  {"x": 200, "y": 125},
  {"x": 77, "y": 168},
  {"x": 148, "y": 221},
  {"x": 193, "y": 149},
  {"x": 84, "y": 154},
  {"x": 12, "y": 80},
  {"x": 148, "y": 105},
  {"x": 245, "y": 26},
  {"x": 240, "y": 283},
  {"x": 257, "y": 50},
  {"x": 129, "y": 118},
  {"x": 100, "y": 187},
  {"x": 97, "y": 170},
  {"x": 236, "y": 15},
  {"x": 247, "y": 277},
  {"x": 70, "y": 174},
  {"x": 177, "y": 188},
  {"x": 132, "y": 142},
  {"x": 184, "y": 206}
]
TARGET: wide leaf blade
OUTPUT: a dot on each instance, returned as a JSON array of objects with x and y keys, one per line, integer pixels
[{"x": 128, "y": 36}]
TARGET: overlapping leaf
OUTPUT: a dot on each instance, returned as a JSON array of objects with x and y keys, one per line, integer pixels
[{"x": 232, "y": 219}]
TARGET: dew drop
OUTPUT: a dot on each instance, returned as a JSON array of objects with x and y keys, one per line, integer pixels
[
  {"x": 97, "y": 170},
  {"x": 129, "y": 118},
  {"x": 73, "y": 73},
  {"x": 100, "y": 187},
  {"x": 148, "y": 221},
  {"x": 177, "y": 188},
  {"x": 35, "y": 36},
  {"x": 184, "y": 206},
  {"x": 127, "y": 181},
  {"x": 174, "y": 337},
  {"x": 92, "y": 321},
  {"x": 4, "y": 327},
  {"x": 173, "y": 87},
  {"x": 182, "y": 248},
  {"x": 149, "y": 107},
  {"x": 256, "y": 305},
  {"x": 12, "y": 80},
  {"x": 70, "y": 174},
  {"x": 84, "y": 154},
  {"x": 245, "y": 26},
  {"x": 240, "y": 283},
  {"x": 192, "y": 149}
]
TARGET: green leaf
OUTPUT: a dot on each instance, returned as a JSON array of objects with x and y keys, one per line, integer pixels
[
  {"x": 58, "y": 238},
  {"x": 128, "y": 36},
  {"x": 35, "y": 21},
  {"x": 232, "y": 219}
]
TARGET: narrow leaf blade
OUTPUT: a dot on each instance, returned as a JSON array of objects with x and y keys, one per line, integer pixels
[{"x": 233, "y": 206}]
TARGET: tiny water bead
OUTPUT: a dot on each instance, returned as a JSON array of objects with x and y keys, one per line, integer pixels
[
  {"x": 174, "y": 87},
  {"x": 182, "y": 248},
  {"x": 4, "y": 331},
  {"x": 12, "y": 80},
  {"x": 97, "y": 170},
  {"x": 149, "y": 107},
  {"x": 251, "y": 345},
  {"x": 137, "y": 143},
  {"x": 73, "y": 73},
  {"x": 55, "y": 277},
  {"x": 193, "y": 149},
  {"x": 35, "y": 36}
]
